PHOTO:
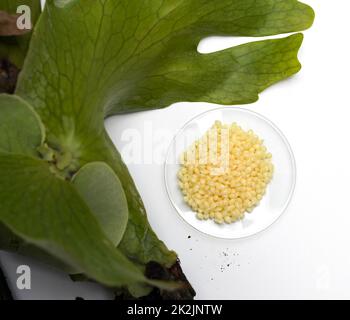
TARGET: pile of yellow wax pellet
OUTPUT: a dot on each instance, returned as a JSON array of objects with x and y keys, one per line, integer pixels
[{"x": 224, "y": 174}]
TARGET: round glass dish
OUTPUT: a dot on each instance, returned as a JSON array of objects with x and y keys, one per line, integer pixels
[{"x": 279, "y": 191}]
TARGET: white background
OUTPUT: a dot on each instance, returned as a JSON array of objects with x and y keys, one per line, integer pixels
[{"x": 306, "y": 254}]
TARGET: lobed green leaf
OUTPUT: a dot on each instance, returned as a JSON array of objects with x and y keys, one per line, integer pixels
[
  {"x": 102, "y": 191},
  {"x": 21, "y": 130}
]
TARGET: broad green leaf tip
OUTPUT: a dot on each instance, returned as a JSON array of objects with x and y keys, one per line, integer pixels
[{"x": 310, "y": 16}]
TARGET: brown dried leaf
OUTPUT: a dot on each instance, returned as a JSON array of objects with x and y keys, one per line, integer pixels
[{"x": 8, "y": 25}]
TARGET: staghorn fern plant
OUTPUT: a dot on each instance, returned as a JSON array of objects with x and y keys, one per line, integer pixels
[{"x": 65, "y": 195}]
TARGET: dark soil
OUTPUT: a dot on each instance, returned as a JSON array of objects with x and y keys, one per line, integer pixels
[
  {"x": 8, "y": 76},
  {"x": 5, "y": 293},
  {"x": 156, "y": 271}
]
